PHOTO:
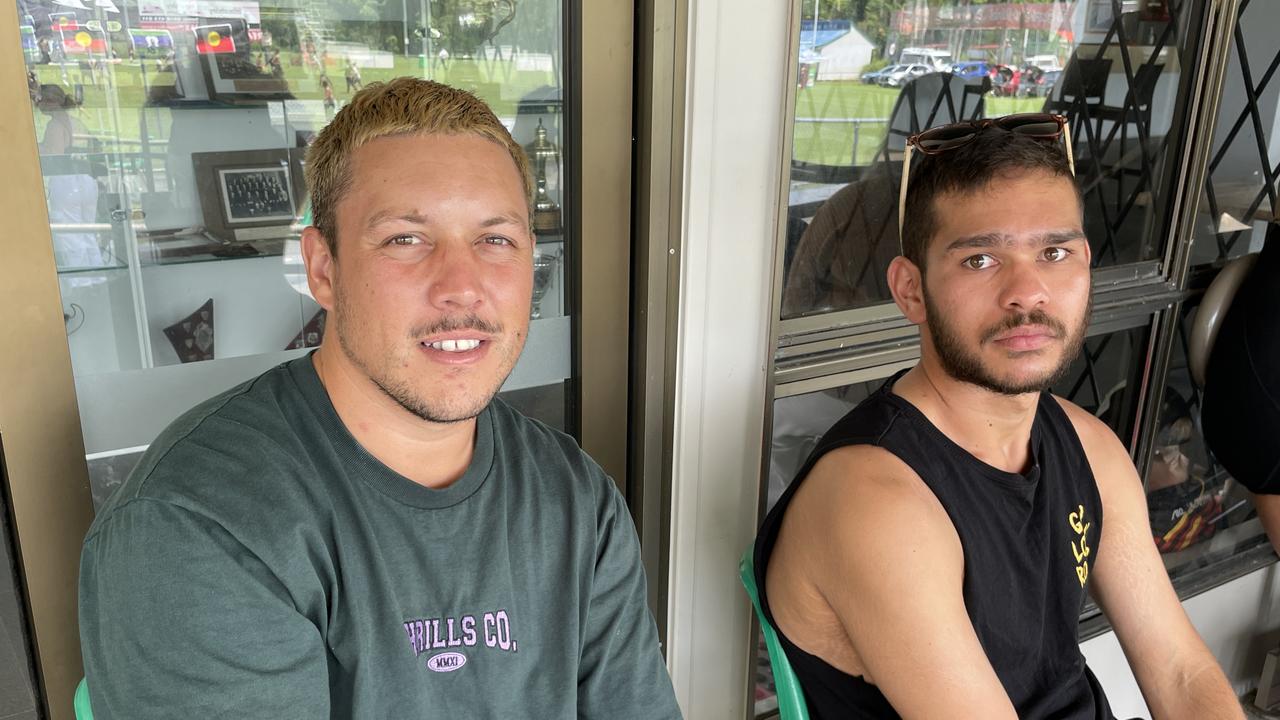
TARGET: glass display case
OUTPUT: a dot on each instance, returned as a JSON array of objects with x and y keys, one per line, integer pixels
[{"x": 173, "y": 137}]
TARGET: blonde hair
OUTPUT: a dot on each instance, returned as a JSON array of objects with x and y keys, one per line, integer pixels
[{"x": 403, "y": 106}]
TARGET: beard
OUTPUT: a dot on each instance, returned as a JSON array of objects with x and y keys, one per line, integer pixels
[
  {"x": 966, "y": 366},
  {"x": 446, "y": 407}
]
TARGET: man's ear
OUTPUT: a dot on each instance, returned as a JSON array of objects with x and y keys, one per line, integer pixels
[
  {"x": 322, "y": 267},
  {"x": 906, "y": 282}
]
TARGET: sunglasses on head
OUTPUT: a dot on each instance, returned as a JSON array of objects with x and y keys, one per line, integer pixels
[{"x": 936, "y": 141}]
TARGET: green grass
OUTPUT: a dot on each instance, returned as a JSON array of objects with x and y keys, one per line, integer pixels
[
  {"x": 498, "y": 83},
  {"x": 826, "y": 143},
  {"x": 832, "y": 143}
]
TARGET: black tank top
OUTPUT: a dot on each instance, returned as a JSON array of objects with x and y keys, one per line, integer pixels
[{"x": 1029, "y": 542}]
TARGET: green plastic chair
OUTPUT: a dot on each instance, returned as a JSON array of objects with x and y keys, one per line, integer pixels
[
  {"x": 791, "y": 705},
  {"x": 81, "y": 702}
]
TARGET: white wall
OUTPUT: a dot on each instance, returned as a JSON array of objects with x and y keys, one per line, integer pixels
[
  {"x": 1239, "y": 621},
  {"x": 738, "y": 65},
  {"x": 844, "y": 58}
]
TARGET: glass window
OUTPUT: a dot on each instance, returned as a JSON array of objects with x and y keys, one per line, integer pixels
[
  {"x": 1199, "y": 514},
  {"x": 871, "y": 75},
  {"x": 172, "y": 136},
  {"x": 1239, "y": 196},
  {"x": 1106, "y": 379}
]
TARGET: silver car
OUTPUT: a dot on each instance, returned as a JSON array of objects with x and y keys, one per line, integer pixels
[{"x": 899, "y": 77}]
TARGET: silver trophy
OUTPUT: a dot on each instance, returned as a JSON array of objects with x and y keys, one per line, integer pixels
[
  {"x": 544, "y": 269},
  {"x": 546, "y": 157}
]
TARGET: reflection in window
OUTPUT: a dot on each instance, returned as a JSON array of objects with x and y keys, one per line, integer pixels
[
  {"x": 1116, "y": 77},
  {"x": 1240, "y": 190},
  {"x": 1199, "y": 514},
  {"x": 1106, "y": 379}
]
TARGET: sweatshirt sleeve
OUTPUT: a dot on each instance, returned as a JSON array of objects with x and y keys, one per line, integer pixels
[
  {"x": 179, "y": 619},
  {"x": 621, "y": 672}
]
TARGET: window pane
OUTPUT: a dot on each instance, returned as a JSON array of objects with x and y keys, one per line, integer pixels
[
  {"x": 1239, "y": 196},
  {"x": 1199, "y": 514},
  {"x": 1106, "y": 379},
  {"x": 867, "y": 82}
]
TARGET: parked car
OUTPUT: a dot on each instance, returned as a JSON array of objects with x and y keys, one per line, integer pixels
[
  {"x": 873, "y": 77},
  {"x": 937, "y": 59},
  {"x": 971, "y": 70},
  {"x": 899, "y": 77}
]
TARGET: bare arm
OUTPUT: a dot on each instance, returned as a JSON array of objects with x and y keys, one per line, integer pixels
[
  {"x": 882, "y": 554},
  {"x": 1178, "y": 675}
]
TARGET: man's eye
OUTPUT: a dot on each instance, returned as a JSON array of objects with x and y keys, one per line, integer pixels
[
  {"x": 1056, "y": 254},
  {"x": 403, "y": 240},
  {"x": 978, "y": 262},
  {"x": 497, "y": 240}
]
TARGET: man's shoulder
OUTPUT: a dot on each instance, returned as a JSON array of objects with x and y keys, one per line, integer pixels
[
  {"x": 533, "y": 448},
  {"x": 865, "y": 479},
  {"x": 1098, "y": 440},
  {"x": 234, "y": 438}
]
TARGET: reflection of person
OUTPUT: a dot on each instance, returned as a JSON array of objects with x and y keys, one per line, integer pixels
[
  {"x": 840, "y": 258},
  {"x": 353, "y": 76},
  {"x": 960, "y": 510},
  {"x": 367, "y": 531},
  {"x": 326, "y": 86},
  {"x": 72, "y": 191}
]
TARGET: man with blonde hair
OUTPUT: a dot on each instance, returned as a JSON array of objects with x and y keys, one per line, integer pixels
[{"x": 367, "y": 532}]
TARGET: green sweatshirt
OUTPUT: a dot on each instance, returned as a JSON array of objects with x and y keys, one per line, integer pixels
[{"x": 259, "y": 563}]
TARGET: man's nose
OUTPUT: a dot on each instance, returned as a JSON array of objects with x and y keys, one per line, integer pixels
[
  {"x": 456, "y": 279},
  {"x": 1023, "y": 288}
]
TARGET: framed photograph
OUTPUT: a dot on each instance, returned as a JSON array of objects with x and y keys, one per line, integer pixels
[
  {"x": 249, "y": 194},
  {"x": 256, "y": 194}
]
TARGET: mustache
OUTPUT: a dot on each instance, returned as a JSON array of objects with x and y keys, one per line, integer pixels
[
  {"x": 1035, "y": 317},
  {"x": 454, "y": 323}
]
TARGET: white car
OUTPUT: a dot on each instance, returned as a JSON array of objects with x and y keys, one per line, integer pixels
[{"x": 904, "y": 73}]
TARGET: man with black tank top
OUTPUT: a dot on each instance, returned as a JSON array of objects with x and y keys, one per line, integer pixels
[{"x": 931, "y": 558}]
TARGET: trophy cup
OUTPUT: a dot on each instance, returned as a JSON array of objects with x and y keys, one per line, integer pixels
[
  {"x": 544, "y": 268},
  {"x": 546, "y": 212}
]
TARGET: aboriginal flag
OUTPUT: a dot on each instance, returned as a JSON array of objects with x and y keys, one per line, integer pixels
[
  {"x": 214, "y": 39},
  {"x": 83, "y": 41}
]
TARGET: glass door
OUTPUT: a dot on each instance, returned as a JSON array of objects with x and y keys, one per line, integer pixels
[{"x": 172, "y": 136}]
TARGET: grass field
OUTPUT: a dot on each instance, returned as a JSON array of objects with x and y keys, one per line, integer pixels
[
  {"x": 832, "y": 118},
  {"x": 498, "y": 83}
]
